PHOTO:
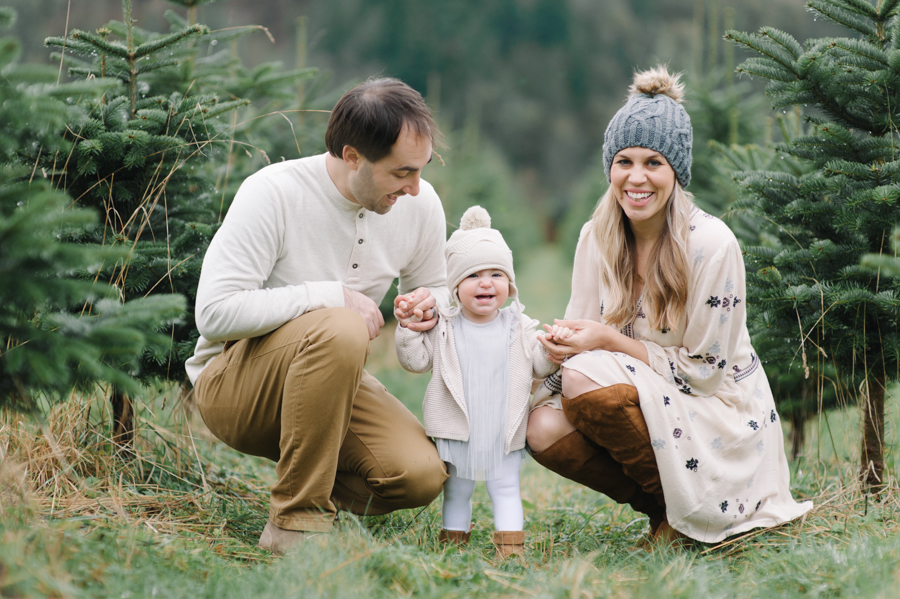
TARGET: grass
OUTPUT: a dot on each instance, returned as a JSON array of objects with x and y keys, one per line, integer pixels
[{"x": 181, "y": 517}]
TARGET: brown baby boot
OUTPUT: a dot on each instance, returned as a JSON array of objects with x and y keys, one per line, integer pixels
[
  {"x": 454, "y": 537},
  {"x": 509, "y": 543}
]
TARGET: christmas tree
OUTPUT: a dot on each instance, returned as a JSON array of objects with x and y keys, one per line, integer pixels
[
  {"x": 154, "y": 158},
  {"x": 60, "y": 328},
  {"x": 842, "y": 207}
]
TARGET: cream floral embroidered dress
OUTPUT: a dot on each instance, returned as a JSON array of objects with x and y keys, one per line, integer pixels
[{"x": 705, "y": 397}]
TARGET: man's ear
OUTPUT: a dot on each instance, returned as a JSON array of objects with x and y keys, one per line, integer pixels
[{"x": 352, "y": 158}]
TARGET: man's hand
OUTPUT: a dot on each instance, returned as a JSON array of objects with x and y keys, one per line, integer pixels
[
  {"x": 366, "y": 308},
  {"x": 416, "y": 311}
]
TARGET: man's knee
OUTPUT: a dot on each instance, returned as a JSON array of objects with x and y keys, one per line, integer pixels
[
  {"x": 419, "y": 485},
  {"x": 341, "y": 330}
]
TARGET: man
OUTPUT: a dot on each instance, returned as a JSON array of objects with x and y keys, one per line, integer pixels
[{"x": 288, "y": 302}]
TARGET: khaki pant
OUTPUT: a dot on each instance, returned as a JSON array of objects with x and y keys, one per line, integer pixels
[{"x": 300, "y": 396}]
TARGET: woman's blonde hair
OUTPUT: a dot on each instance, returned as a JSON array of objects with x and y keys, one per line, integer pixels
[{"x": 668, "y": 269}]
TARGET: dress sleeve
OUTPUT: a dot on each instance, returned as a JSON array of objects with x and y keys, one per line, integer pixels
[
  {"x": 415, "y": 350},
  {"x": 714, "y": 325},
  {"x": 585, "y": 303}
]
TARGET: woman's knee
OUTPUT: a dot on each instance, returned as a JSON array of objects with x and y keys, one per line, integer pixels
[
  {"x": 574, "y": 383},
  {"x": 546, "y": 426}
]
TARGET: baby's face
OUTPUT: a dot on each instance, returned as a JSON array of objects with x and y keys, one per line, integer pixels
[{"x": 482, "y": 294}]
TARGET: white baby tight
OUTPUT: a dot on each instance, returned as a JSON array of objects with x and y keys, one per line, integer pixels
[{"x": 505, "y": 498}]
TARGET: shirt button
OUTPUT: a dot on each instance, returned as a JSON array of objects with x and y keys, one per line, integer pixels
[
  {"x": 360, "y": 242},
  {"x": 362, "y": 214},
  {"x": 355, "y": 265}
]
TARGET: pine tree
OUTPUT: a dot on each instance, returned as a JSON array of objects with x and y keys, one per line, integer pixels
[
  {"x": 843, "y": 208},
  {"x": 59, "y": 328},
  {"x": 156, "y": 160},
  {"x": 800, "y": 383}
]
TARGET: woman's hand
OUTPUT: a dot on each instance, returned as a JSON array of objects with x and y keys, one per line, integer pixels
[
  {"x": 585, "y": 335},
  {"x": 569, "y": 337}
]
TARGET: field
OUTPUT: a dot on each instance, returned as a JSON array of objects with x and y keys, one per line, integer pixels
[{"x": 180, "y": 517}]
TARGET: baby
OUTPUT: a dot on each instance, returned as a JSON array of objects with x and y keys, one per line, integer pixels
[{"x": 483, "y": 358}]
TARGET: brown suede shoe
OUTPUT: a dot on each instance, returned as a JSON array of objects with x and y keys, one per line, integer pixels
[
  {"x": 454, "y": 537},
  {"x": 278, "y": 540},
  {"x": 509, "y": 543},
  {"x": 666, "y": 536}
]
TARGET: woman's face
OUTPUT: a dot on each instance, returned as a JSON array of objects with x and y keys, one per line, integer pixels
[{"x": 642, "y": 182}]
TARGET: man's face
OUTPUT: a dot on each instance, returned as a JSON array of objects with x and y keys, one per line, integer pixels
[{"x": 376, "y": 185}]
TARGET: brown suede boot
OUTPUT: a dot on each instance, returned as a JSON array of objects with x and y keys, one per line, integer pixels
[
  {"x": 509, "y": 543},
  {"x": 577, "y": 458},
  {"x": 454, "y": 537},
  {"x": 611, "y": 417}
]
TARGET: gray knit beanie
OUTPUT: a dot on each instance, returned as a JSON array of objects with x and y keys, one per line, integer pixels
[
  {"x": 475, "y": 246},
  {"x": 653, "y": 118}
]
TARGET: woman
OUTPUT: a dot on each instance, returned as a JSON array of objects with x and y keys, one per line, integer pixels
[{"x": 664, "y": 405}]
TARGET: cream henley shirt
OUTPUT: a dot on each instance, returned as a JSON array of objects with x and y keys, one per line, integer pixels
[{"x": 291, "y": 241}]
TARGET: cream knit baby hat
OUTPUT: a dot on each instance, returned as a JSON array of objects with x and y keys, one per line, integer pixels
[{"x": 476, "y": 246}]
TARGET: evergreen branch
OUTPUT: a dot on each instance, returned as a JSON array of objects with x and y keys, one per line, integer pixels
[
  {"x": 148, "y": 68},
  {"x": 166, "y": 40},
  {"x": 100, "y": 44},
  {"x": 223, "y": 107},
  {"x": 764, "y": 45},
  {"x": 862, "y": 48},
  {"x": 71, "y": 45},
  {"x": 888, "y": 8},
  {"x": 859, "y": 7},
  {"x": 7, "y": 17},
  {"x": 842, "y": 16},
  {"x": 767, "y": 69},
  {"x": 785, "y": 40}
]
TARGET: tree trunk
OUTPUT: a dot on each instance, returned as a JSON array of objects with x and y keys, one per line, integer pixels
[
  {"x": 123, "y": 421},
  {"x": 798, "y": 433},
  {"x": 872, "y": 451}
]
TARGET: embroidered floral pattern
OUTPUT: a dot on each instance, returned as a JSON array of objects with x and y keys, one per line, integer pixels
[
  {"x": 742, "y": 373},
  {"x": 717, "y": 444},
  {"x": 630, "y": 368},
  {"x": 723, "y": 506},
  {"x": 692, "y": 464},
  {"x": 752, "y": 424},
  {"x": 658, "y": 444},
  {"x": 773, "y": 417},
  {"x": 713, "y": 301},
  {"x": 666, "y": 400},
  {"x": 677, "y": 433}
]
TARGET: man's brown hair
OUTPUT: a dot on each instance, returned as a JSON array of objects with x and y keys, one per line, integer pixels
[{"x": 370, "y": 117}]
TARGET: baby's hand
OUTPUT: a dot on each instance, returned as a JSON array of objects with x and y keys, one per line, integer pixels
[
  {"x": 402, "y": 312},
  {"x": 557, "y": 333}
]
